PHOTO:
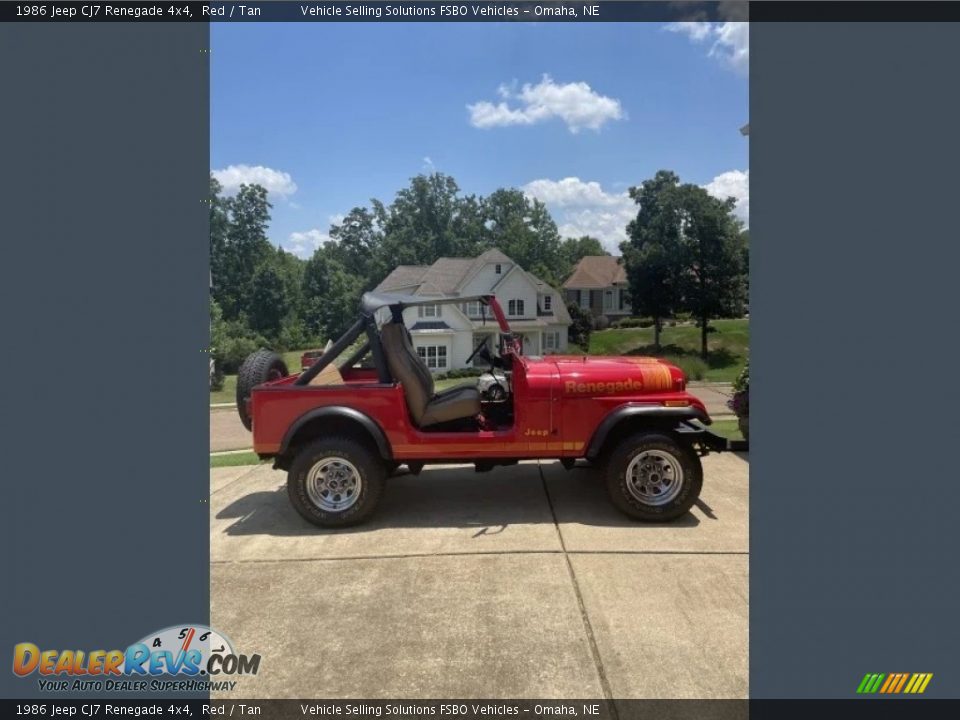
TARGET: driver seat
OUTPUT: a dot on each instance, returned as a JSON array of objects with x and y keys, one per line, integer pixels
[{"x": 426, "y": 406}]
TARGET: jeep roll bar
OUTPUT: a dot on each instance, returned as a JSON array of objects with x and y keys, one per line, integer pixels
[
  {"x": 370, "y": 303},
  {"x": 367, "y": 323}
]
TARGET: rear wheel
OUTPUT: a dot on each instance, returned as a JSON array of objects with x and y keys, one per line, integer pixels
[
  {"x": 259, "y": 367},
  {"x": 336, "y": 482},
  {"x": 652, "y": 477}
]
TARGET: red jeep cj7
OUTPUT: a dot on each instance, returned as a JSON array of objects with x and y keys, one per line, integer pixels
[{"x": 340, "y": 428}]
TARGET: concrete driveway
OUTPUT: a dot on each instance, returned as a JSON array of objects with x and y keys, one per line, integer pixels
[{"x": 521, "y": 582}]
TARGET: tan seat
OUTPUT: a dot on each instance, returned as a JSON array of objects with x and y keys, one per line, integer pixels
[{"x": 407, "y": 367}]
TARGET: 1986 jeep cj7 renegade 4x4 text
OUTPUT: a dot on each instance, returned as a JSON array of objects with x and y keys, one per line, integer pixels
[{"x": 340, "y": 429}]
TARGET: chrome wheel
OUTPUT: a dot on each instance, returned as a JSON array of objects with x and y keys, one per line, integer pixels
[
  {"x": 333, "y": 484},
  {"x": 654, "y": 477}
]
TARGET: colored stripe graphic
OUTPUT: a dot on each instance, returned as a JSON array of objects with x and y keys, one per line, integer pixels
[{"x": 894, "y": 683}]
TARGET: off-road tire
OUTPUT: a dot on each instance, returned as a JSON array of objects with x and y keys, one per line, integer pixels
[
  {"x": 259, "y": 367},
  {"x": 619, "y": 462},
  {"x": 372, "y": 471}
]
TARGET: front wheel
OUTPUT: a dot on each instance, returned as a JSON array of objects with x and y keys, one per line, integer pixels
[
  {"x": 335, "y": 482},
  {"x": 652, "y": 477}
]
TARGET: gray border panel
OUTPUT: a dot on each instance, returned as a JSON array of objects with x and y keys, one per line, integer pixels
[
  {"x": 104, "y": 283},
  {"x": 855, "y": 153}
]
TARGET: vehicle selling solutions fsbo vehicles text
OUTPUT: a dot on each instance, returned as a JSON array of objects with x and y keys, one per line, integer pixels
[{"x": 444, "y": 11}]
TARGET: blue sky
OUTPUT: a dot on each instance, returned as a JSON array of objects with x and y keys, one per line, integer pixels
[{"x": 328, "y": 115}]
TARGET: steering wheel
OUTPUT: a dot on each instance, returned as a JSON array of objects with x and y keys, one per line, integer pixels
[{"x": 483, "y": 351}]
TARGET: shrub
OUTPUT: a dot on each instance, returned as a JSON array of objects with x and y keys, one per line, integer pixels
[
  {"x": 459, "y": 373},
  {"x": 740, "y": 403},
  {"x": 693, "y": 367},
  {"x": 633, "y": 323},
  {"x": 601, "y": 322}
]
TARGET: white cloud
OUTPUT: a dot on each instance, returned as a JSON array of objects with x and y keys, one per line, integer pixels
[
  {"x": 735, "y": 184},
  {"x": 306, "y": 242},
  {"x": 575, "y": 103},
  {"x": 696, "y": 30},
  {"x": 585, "y": 208},
  {"x": 276, "y": 182},
  {"x": 303, "y": 244},
  {"x": 582, "y": 207},
  {"x": 730, "y": 40}
]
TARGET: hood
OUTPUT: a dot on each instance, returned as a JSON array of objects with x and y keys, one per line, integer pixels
[{"x": 603, "y": 375}]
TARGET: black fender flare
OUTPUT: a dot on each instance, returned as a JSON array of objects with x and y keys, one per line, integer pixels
[
  {"x": 347, "y": 413},
  {"x": 648, "y": 410}
]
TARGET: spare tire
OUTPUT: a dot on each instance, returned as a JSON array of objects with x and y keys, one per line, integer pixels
[{"x": 259, "y": 367}]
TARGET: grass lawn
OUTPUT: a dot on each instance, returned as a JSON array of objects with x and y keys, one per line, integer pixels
[
  {"x": 727, "y": 428},
  {"x": 234, "y": 459},
  {"x": 229, "y": 392},
  {"x": 728, "y": 347}
]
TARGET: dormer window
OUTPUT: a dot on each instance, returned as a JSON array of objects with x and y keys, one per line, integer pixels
[
  {"x": 497, "y": 268},
  {"x": 547, "y": 303}
]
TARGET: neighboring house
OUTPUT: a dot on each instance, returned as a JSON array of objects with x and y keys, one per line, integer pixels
[
  {"x": 599, "y": 284},
  {"x": 445, "y": 335}
]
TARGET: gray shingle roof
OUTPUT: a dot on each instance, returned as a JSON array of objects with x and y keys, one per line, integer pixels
[
  {"x": 597, "y": 271},
  {"x": 403, "y": 276},
  {"x": 447, "y": 275}
]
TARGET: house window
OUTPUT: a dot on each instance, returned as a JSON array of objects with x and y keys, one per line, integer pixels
[
  {"x": 515, "y": 308},
  {"x": 608, "y": 300},
  {"x": 472, "y": 309},
  {"x": 585, "y": 299},
  {"x": 435, "y": 356},
  {"x": 547, "y": 303},
  {"x": 551, "y": 340},
  {"x": 623, "y": 299},
  {"x": 497, "y": 269},
  {"x": 431, "y": 311}
]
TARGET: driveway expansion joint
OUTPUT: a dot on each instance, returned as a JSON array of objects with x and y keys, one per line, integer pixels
[{"x": 585, "y": 617}]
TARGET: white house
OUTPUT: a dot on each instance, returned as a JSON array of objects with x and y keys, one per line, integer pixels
[{"x": 445, "y": 335}]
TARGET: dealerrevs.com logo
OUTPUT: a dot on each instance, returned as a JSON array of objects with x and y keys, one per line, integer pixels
[{"x": 201, "y": 658}]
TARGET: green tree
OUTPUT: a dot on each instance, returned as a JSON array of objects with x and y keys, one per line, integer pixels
[
  {"x": 246, "y": 247},
  {"x": 331, "y": 295},
  {"x": 652, "y": 257},
  {"x": 573, "y": 249},
  {"x": 713, "y": 283},
  {"x": 219, "y": 228},
  {"x": 419, "y": 225},
  {"x": 357, "y": 238},
  {"x": 580, "y": 327},
  {"x": 270, "y": 299},
  {"x": 525, "y": 231}
]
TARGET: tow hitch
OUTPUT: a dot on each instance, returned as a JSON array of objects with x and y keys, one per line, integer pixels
[{"x": 705, "y": 441}]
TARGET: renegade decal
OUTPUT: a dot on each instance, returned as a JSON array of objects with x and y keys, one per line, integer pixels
[{"x": 653, "y": 377}]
